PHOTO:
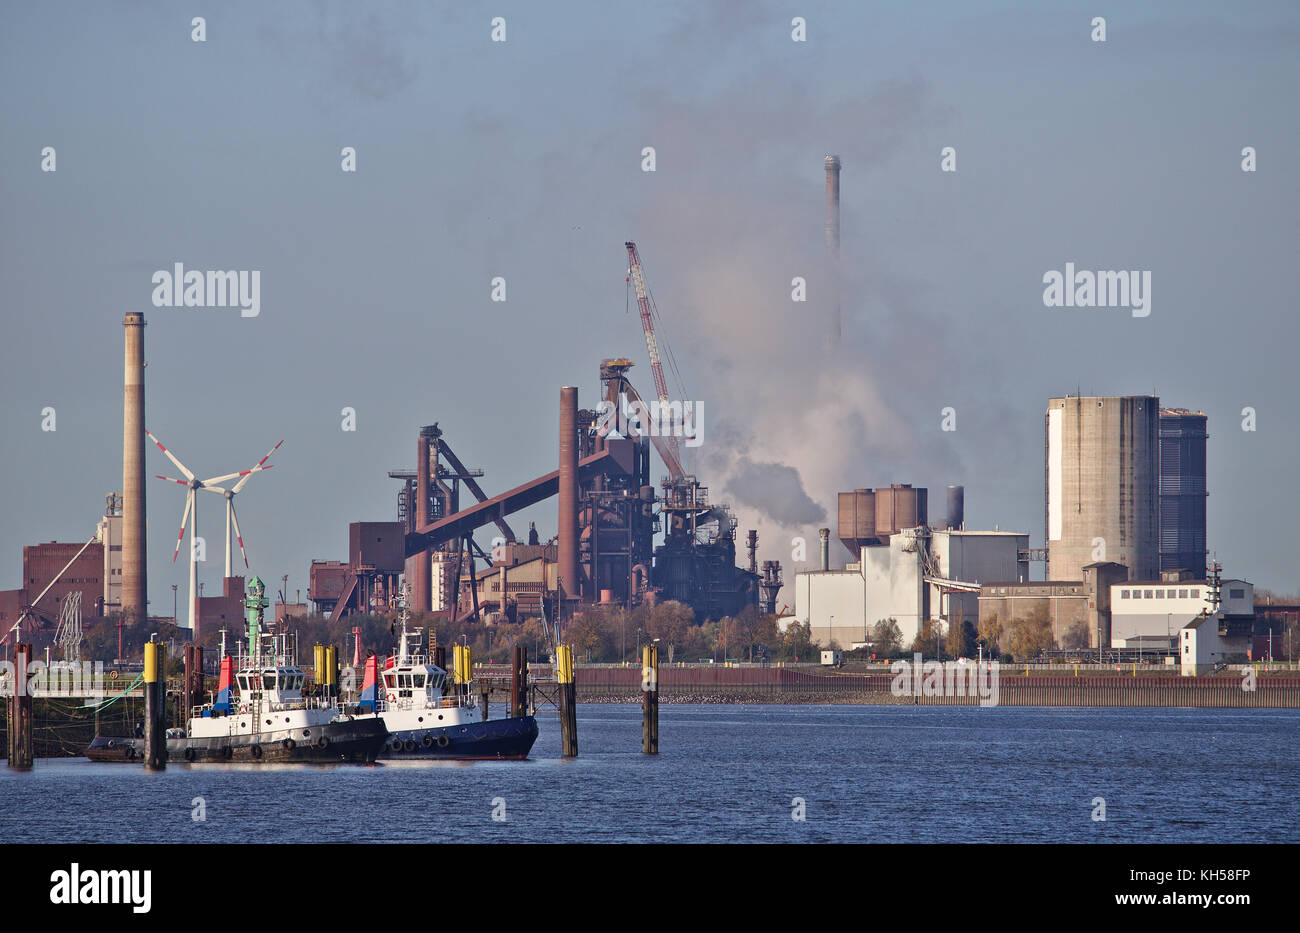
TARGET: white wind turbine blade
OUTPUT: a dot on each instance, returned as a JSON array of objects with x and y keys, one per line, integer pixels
[
  {"x": 185, "y": 517},
  {"x": 172, "y": 479},
  {"x": 257, "y": 467},
  {"x": 221, "y": 479},
  {"x": 170, "y": 456},
  {"x": 238, "y": 537}
]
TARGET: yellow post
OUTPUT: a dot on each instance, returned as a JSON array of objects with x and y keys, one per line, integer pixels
[
  {"x": 150, "y": 663},
  {"x": 155, "y": 706},
  {"x": 568, "y": 701},
  {"x": 319, "y": 656},
  {"x": 650, "y": 700}
]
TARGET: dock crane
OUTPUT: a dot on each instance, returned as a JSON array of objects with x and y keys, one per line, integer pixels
[{"x": 667, "y": 446}]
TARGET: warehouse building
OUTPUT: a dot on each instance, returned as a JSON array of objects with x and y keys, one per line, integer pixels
[
  {"x": 1151, "y": 614},
  {"x": 919, "y": 574}
]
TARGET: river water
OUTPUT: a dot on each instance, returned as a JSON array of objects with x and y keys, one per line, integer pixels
[{"x": 732, "y": 774}]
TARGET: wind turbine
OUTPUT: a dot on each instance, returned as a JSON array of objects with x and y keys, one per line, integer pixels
[
  {"x": 231, "y": 517},
  {"x": 191, "y": 516}
]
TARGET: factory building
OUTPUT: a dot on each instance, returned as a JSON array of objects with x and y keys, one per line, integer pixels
[
  {"x": 42, "y": 562},
  {"x": 1079, "y": 610},
  {"x": 1211, "y": 640},
  {"x": 224, "y": 611},
  {"x": 1182, "y": 491},
  {"x": 1149, "y": 614},
  {"x": 911, "y": 574},
  {"x": 1102, "y": 484},
  {"x": 110, "y": 539}
]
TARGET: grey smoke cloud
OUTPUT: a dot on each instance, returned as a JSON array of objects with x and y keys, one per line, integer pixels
[{"x": 775, "y": 491}]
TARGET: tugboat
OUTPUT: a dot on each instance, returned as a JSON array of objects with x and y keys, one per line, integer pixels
[
  {"x": 426, "y": 717},
  {"x": 260, "y": 713}
]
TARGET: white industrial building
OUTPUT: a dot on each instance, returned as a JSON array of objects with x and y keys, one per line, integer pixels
[
  {"x": 1206, "y": 642},
  {"x": 910, "y": 579},
  {"x": 110, "y": 536},
  {"x": 1151, "y": 614}
]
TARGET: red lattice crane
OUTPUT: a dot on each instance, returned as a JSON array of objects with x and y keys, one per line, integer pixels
[{"x": 667, "y": 446}]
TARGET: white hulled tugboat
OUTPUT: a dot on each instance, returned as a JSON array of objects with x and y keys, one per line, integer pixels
[
  {"x": 260, "y": 712},
  {"x": 428, "y": 716}
]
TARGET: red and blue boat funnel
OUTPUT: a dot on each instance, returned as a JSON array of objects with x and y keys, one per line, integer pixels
[
  {"x": 370, "y": 686},
  {"x": 225, "y": 701}
]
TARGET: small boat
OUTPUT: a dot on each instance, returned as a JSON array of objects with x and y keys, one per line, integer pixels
[
  {"x": 260, "y": 713},
  {"x": 426, "y": 716}
]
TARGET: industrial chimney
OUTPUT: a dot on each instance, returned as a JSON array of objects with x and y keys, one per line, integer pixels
[
  {"x": 570, "y": 584},
  {"x": 825, "y": 535},
  {"x": 134, "y": 584},
  {"x": 422, "y": 585},
  {"x": 833, "y": 239},
  {"x": 956, "y": 507}
]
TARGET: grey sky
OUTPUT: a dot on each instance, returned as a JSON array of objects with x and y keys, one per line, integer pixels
[{"x": 522, "y": 159}]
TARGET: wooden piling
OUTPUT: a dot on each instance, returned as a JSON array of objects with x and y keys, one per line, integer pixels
[
  {"x": 568, "y": 701},
  {"x": 192, "y": 693},
  {"x": 483, "y": 701},
  {"x": 519, "y": 682},
  {"x": 650, "y": 699},
  {"x": 155, "y": 706},
  {"x": 20, "y": 711}
]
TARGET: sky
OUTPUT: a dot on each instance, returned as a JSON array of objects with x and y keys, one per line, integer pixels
[{"x": 523, "y": 159}]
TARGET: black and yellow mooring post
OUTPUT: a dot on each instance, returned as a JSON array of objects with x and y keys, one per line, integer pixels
[
  {"x": 519, "y": 682},
  {"x": 155, "y": 706},
  {"x": 19, "y": 702},
  {"x": 650, "y": 699},
  {"x": 332, "y": 669},
  {"x": 568, "y": 701}
]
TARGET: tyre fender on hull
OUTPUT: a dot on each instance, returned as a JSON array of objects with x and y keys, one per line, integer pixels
[{"x": 256, "y": 751}]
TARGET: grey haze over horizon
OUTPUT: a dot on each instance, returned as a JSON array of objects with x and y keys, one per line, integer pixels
[{"x": 523, "y": 160}]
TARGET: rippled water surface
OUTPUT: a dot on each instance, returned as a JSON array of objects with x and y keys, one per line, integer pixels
[{"x": 730, "y": 774}]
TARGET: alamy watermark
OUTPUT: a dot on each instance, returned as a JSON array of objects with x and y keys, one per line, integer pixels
[
  {"x": 945, "y": 679},
  {"x": 240, "y": 289},
  {"x": 658, "y": 419},
  {"x": 1085, "y": 289},
  {"x": 58, "y": 678}
]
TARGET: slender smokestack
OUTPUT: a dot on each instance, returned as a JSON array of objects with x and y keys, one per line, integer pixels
[
  {"x": 956, "y": 507},
  {"x": 825, "y": 535},
  {"x": 570, "y": 583},
  {"x": 134, "y": 584},
  {"x": 833, "y": 239},
  {"x": 422, "y": 584}
]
